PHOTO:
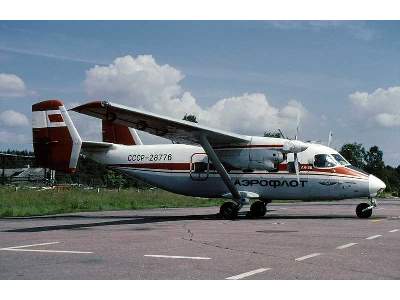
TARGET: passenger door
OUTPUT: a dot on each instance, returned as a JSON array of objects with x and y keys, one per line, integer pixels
[{"x": 199, "y": 166}]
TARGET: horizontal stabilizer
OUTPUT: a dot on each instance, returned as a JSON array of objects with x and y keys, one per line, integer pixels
[{"x": 87, "y": 145}]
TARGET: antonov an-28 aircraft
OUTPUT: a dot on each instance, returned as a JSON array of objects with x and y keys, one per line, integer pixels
[{"x": 201, "y": 161}]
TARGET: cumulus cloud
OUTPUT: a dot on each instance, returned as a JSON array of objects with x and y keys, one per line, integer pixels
[
  {"x": 12, "y": 118},
  {"x": 141, "y": 82},
  {"x": 11, "y": 86},
  {"x": 382, "y": 105},
  {"x": 7, "y": 136}
]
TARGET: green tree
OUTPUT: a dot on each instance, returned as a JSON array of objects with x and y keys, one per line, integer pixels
[
  {"x": 190, "y": 118},
  {"x": 355, "y": 154},
  {"x": 113, "y": 179},
  {"x": 374, "y": 162}
]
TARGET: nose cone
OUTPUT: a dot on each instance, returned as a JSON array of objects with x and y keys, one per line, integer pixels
[{"x": 375, "y": 185}]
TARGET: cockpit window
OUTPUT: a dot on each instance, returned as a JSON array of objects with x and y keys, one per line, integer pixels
[
  {"x": 324, "y": 161},
  {"x": 340, "y": 159}
]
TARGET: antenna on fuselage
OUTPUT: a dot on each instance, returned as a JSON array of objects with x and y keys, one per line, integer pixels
[{"x": 330, "y": 138}]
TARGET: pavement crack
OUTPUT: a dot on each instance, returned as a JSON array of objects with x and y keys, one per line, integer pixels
[{"x": 209, "y": 244}]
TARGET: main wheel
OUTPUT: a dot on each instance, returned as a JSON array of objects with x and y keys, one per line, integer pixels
[
  {"x": 229, "y": 211},
  {"x": 361, "y": 213},
  {"x": 258, "y": 209}
]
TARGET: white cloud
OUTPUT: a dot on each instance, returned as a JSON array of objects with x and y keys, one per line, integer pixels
[
  {"x": 12, "y": 118},
  {"x": 388, "y": 120},
  {"x": 141, "y": 82},
  {"x": 382, "y": 105},
  {"x": 9, "y": 137},
  {"x": 11, "y": 86}
]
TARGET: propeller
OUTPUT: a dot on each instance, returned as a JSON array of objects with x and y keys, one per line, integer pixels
[
  {"x": 296, "y": 160},
  {"x": 297, "y": 167},
  {"x": 297, "y": 126}
]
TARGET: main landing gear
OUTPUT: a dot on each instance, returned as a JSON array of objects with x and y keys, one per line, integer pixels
[
  {"x": 229, "y": 210},
  {"x": 258, "y": 209},
  {"x": 364, "y": 210}
]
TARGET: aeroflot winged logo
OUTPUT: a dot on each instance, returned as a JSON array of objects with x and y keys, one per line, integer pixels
[{"x": 271, "y": 183}]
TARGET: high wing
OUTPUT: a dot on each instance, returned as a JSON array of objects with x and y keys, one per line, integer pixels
[{"x": 176, "y": 130}]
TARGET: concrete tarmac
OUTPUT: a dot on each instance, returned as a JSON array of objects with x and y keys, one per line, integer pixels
[{"x": 293, "y": 241}]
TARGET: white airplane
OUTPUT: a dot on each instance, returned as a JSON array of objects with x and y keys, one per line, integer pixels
[{"x": 202, "y": 161}]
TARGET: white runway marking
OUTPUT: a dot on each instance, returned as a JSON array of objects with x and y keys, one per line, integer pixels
[
  {"x": 33, "y": 245},
  {"x": 20, "y": 249},
  {"x": 247, "y": 274},
  {"x": 373, "y": 237},
  {"x": 307, "y": 256},
  {"x": 394, "y": 230},
  {"x": 345, "y": 246},
  {"x": 46, "y": 251},
  {"x": 176, "y": 257}
]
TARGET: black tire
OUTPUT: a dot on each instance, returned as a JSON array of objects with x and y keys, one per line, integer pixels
[
  {"x": 258, "y": 209},
  {"x": 229, "y": 211},
  {"x": 363, "y": 214}
]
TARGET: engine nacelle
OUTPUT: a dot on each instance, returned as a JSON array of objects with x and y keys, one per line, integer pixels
[{"x": 255, "y": 159}]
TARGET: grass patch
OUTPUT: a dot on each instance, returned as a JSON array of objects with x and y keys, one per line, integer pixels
[{"x": 28, "y": 202}]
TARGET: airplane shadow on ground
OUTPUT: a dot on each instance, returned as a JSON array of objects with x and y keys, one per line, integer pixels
[{"x": 135, "y": 220}]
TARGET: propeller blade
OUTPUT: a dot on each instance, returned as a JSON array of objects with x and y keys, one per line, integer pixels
[
  {"x": 297, "y": 167},
  {"x": 297, "y": 125}
]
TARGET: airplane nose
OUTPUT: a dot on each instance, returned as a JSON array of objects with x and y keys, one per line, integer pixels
[{"x": 375, "y": 185}]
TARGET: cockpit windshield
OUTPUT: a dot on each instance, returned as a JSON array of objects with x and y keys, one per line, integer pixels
[
  {"x": 340, "y": 159},
  {"x": 324, "y": 161}
]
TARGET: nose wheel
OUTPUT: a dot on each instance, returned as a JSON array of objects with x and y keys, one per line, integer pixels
[{"x": 364, "y": 210}]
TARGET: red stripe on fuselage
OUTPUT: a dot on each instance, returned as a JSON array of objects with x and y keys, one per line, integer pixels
[
  {"x": 342, "y": 170},
  {"x": 158, "y": 166}
]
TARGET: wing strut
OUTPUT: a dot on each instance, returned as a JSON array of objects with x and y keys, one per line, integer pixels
[{"x": 220, "y": 169}]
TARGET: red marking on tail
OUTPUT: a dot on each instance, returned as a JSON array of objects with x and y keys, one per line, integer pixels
[
  {"x": 47, "y": 105},
  {"x": 56, "y": 118},
  {"x": 56, "y": 146}
]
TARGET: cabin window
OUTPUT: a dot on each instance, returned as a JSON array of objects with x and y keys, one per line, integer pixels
[
  {"x": 200, "y": 167},
  {"x": 340, "y": 159},
  {"x": 324, "y": 161}
]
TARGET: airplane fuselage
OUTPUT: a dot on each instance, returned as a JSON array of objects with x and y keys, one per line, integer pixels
[{"x": 257, "y": 167}]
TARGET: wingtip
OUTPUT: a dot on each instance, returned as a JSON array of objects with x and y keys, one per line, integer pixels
[{"x": 91, "y": 104}]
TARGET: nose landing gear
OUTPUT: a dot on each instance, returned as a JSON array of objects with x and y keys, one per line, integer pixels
[{"x": 364, "y": 210}]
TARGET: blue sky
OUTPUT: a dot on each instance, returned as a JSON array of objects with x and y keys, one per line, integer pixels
[{"x": 317, "y": 67}]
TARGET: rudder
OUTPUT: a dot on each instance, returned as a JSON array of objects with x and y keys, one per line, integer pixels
[{"x": 56, "y": 141}]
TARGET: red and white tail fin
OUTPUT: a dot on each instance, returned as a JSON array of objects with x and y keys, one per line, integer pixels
[
  {"x": 56, "y": 141},
  {"x": 119, "y": 134}
]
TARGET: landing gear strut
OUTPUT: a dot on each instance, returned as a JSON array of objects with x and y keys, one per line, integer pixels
[
  {"x": 258, "y": 209},
  {"x": 364, "y": 210}
]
